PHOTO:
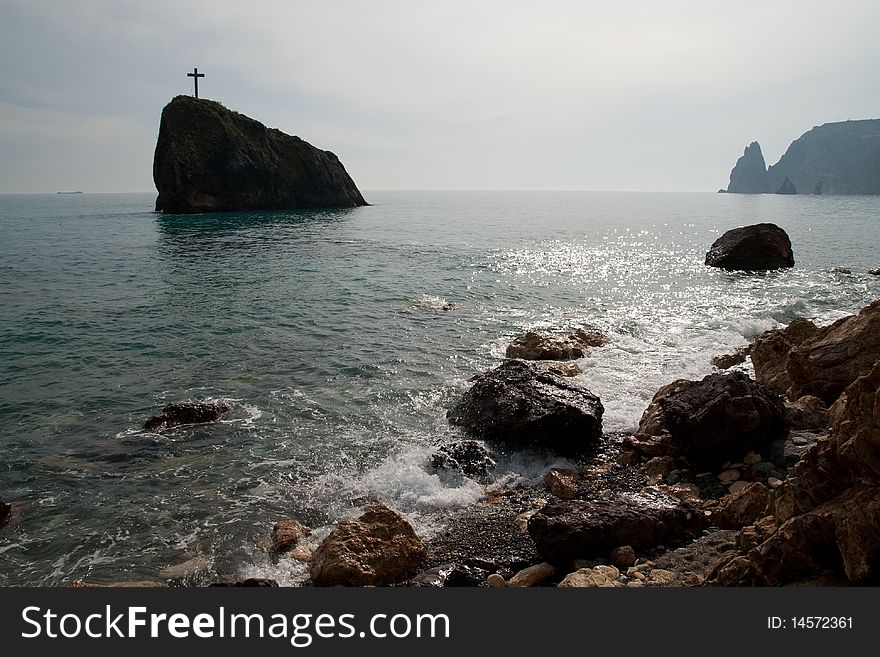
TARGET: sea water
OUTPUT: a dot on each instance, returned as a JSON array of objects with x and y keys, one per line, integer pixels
[{"x": 340, "y": 338}]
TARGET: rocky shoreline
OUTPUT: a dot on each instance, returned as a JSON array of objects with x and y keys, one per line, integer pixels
[{"x": 728, "y": 481}]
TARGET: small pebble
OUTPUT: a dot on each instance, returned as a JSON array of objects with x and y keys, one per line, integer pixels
[
  {"x": 729, "y": 476},
  {"x": 774, "y": 482}
]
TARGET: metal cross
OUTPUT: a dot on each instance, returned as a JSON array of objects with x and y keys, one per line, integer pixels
[{"x": 195, "y": 75}]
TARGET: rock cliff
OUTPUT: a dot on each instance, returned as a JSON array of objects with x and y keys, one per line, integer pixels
[
  {"x": 211, "y": 159},
  {"x": 834, "y": 158}
]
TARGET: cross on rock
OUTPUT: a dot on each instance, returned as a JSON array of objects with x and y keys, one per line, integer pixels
[{"x": 195, "y": 75}]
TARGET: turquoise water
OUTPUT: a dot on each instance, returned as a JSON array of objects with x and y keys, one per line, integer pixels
[{"x": 325, "y": 332}]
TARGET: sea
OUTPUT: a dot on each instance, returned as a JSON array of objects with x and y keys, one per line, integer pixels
[{"x": 340, "y": 338}]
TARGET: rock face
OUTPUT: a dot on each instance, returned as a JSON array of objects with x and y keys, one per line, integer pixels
[
  {"x": 575, "y": 529},
  {"x": 834, "y": 158},
  {"x": 742, "y": 507},
  {"x": 186, "y": 413},
  {"x": 535, "y": 346},
  {"x": 710, "y": 421},
  {"x": 802, "y": 360},
  {"x": 211, "y": 159},
  {"x": 378, "y": 548},
  {"x": 752, "y": 248},
  {"x": 828, "y": 509},
  {"x": 749, "y": 175},
  {"x": 516, "y": 403}
]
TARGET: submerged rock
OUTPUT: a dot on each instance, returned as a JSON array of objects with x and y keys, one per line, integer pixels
[
  {"x": 537, "y": 346},
  {"x": 186, "y": 413},
  {"x": 579, "y": 529},
  {"x": 211, "y": 159},
  {"x": 450, "y": 575},
  {"x": 378, "y": 548},
  {"x": 287, "y": 533},
  {"x": 517, "y": 404},
  {"x": 752, "y": 248},
  {"x": 710, "y": 421}
]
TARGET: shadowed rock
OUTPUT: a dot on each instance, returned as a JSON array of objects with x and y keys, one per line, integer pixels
[
  {"x": 186, "y": 413},
  {"x": 752, "y": 248},
  {"x": 211, "y": 159},
  {"x": 578, "y": 529},
  {"x": 517, "y": 404},
  {"x": 710, "y": 421},
  {"x": 468, "y": 457}
]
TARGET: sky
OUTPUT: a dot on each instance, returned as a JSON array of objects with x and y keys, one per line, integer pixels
[{"x": 479, "y": 94}]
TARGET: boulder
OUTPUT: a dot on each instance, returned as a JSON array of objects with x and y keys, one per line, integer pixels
[
  {"x": 378, "y": 548},
  {"x": 771, "y": 350},
  {"x": 741, "y": 508},
  {"x": 874, "y": 272},
  {"x": 710, "y": 421},
  {"x": 573, "y": 529},
  {"x": 752, "y": 248},
  {"x": 808, "y": 412},
  {"x": 468, "y": 457},
  {"x": 537, "y": 346},
  {"x": 517, "y": 404},
  {"x": 587, "y": 578},
  {"x": 186, "y": 413},
  {"x": 211, "y": 159},
  {"x": 563, "y": 369},
  {"x": 287, "y": 533},
  {"x": 623, "y": 556}
]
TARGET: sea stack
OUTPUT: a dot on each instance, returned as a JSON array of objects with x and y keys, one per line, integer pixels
[{"x": 211, "y": 159}]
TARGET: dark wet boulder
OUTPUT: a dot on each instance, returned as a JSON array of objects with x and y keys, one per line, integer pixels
[
  {"x": 538, "y": 346},
  {"x": 186, "y": 413},
  {"x": 578, "y": 529},
  {"x": 710, "y": 421},
  {"x": 378, "y": 548},
  {"x": 467, "y": 457},
  {"x": 752, "y": 248},
  {"x": 520, "y": 405}
]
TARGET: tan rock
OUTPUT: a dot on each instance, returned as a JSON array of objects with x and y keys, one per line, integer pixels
[
  {"x": 727, "y": 361},
  {"x": 536, "y": 346},
  {"x": 561, "y": 482},
  {"x": 752, "y": 457},
  {"x": 627, "y": 458},
  {"x": 635, "y": 585},
  {"x": 656, "y": 469},
  {"x": 378, "y": 548},
  {"x": 496, "y": 581},
  {"x": 737, "y": 485},
  {"x": 564, "y": 369},
  {"x": 586, "y": 578},
  {"x": 522, "y": 520},
  {"x": 685, "y": 492},
  {"x": 771, "y": 350},
  {"x": 661, "y": 577},
  {"x": 302, "y": 553},
  {"x": 610, "y": 572},
  {"x": 752, "y": 536},
  {"x": 774, "y": 482},
  {"x": 287, "y": 533},
  {"x": 532, "y": 576},
  {"x": 693, "y": 579}
]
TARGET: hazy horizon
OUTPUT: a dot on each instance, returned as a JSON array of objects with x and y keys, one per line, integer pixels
[{"x": 492, "y": 95}]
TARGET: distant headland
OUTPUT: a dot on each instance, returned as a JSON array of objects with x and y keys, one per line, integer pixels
[
  {"x": 834, "y": 158},
  {"x": 211, "y": 159}
]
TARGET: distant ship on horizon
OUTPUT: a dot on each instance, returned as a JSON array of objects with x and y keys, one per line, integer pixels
[{"x": 76, "y": 192}]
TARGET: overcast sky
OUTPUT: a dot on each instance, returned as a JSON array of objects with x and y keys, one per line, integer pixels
[{"x": 494, "y": 94}]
